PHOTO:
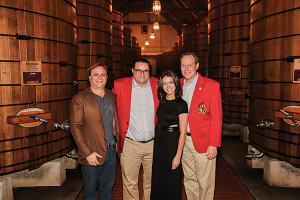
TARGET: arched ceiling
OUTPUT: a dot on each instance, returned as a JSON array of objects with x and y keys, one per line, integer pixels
[{"x": 178, "y": 13}]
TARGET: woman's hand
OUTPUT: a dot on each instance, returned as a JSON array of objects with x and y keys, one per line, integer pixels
[{"x": 176, "y": 162}]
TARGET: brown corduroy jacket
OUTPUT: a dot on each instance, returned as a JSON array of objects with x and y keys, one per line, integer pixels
[{"x": 87, "y": 126}]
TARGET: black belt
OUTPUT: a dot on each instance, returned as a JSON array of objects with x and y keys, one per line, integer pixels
[
  {"x": 140, "y": 141},
  {"x": 188, "y": 134},
  {"x": 169, "y": 128}
]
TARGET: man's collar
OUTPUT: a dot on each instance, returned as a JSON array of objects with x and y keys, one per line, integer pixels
[
  {"x": 193, "y": 81},
  {"x": 134, "y": 83}
]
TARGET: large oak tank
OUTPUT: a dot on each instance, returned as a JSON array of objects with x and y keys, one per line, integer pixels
[
  {"x": 118, "y": 42},
  {"x": 274, "y": 43},
  {"x": 194, "y": 38},
  {"x": 51, "y": 39},
  {"x": 228, "y": 33},
  {"x": 127, "y": 50},
  {"x": 94, "y": 20}
]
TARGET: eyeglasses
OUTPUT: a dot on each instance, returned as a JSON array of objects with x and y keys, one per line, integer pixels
[{"x": 138, "y": 71}]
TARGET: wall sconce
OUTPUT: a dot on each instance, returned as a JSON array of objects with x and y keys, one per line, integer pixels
[
  {"x": 156, "y": 7},
  {"x": 147, "y": 43}
]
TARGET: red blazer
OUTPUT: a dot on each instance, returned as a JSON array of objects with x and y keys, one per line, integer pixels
[
  {"x": 123, "y": 89},
  {"x": 205, "y": 114}
]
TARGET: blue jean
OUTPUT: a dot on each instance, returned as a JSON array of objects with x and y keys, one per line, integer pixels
[{"x": 104, "y": 175}]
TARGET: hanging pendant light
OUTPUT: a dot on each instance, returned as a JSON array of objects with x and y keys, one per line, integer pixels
[
  {"x": 152, "y": 36},
  {"x": 147, "y": 43},
  {"x": 156, "y": 26},
  {"x": 156, "y": 7}
]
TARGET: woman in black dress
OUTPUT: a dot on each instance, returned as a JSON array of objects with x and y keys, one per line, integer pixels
[{"x": 170, "y": 133}]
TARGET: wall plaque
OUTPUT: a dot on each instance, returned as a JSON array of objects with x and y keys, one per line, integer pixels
[
  {"x": 296, "y": 73},
  {"x": 235, "y": 72},
  {"x": 31, "y": 72}
]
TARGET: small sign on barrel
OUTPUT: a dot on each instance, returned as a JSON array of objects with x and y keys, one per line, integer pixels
[
  {"x": 296, "y": 71},
  {"x": 31, "y": 72}
]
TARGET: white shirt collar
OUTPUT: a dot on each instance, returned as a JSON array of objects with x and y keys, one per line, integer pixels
[
  {"x": 134, "y": 83},
  {"x": 194, "y": 81}
]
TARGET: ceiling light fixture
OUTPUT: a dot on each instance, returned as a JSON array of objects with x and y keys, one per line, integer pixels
[
  {"x": 152, "y": 36},
  {"x": 156, "y": 7},
  {"x": 156, "y": 26}
]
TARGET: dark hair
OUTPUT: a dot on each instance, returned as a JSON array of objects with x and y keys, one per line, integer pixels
[
  {"x": 97, "y": 65},
  {"x": 142, "y": 60},
  {"x": 160, "y": 91},
  {"x": 190, "y": 53}
]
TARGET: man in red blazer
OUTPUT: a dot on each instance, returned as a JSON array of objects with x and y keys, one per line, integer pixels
[
  {"x": 94, "y": 123},
  {"x": 137, "y": 103},
  {"x": 204, "y": 129}
]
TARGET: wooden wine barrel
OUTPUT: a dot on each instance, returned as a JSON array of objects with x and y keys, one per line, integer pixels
[
  {"x": 127, "y": 59},
  {"x": 202, "y": 47},
  {"x": 179, "y": 41},
  {"x": 275, "y": 39},
  {"x": 228, "y": 30},
  {"x": 117, "y": 48},
  {"x": 194, "y": 38},
  {"x": 189, "y": 38},
  {"x": 135, "y": 49},
  {"x": 165, "y": 62},
  {"x": 94, "y": 40},
  {"x": 51, "y": 32},
  {"x": 138, "y": 50},
  {"x": 177, "y": 53}
]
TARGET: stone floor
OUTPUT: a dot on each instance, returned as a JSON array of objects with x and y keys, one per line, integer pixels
[{"x": 233, "y": 151}]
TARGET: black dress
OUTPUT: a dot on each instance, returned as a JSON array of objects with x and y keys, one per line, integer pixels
[{"x": 166, "y": 182}]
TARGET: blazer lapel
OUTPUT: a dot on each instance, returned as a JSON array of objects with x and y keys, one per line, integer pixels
[
  {"x": 94, "y": 104},
  {"x": 154, "y": 92},
  {"x": 198, "y": 90},
  {"x": 127, "y": 97}
]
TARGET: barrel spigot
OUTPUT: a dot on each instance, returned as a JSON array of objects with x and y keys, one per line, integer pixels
[
  {"x": 251, "y": 155},
  {"x": 289, "y": 116},
  {"x": 64, "y": 126},
  {"x": 265, "y": 123},
  {"x": 37, "y": 118}
]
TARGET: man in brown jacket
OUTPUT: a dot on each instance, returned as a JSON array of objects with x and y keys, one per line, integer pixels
[{"x": 94, "y": 123}]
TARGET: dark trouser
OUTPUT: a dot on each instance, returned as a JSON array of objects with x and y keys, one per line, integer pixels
[{"x": 104, "y": 175}]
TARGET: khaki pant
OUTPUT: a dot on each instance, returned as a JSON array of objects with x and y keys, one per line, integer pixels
[
  {"x": 134, "y": 154},
  {"x": 199, "y": 173}
]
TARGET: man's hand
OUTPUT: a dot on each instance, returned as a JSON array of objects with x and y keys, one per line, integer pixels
[
  {"x": 211, "y": 152},
  {"x": 92, "y": 159}
]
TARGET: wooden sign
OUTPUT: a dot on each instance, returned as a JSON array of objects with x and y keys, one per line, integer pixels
[
  {"x": 235, "y": 72},
  {"x": 31, "y": 72},
  {"x": 296, "y": 73}
]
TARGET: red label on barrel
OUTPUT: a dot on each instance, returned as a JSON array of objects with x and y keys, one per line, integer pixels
[{"x": 31, "y": 72}]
